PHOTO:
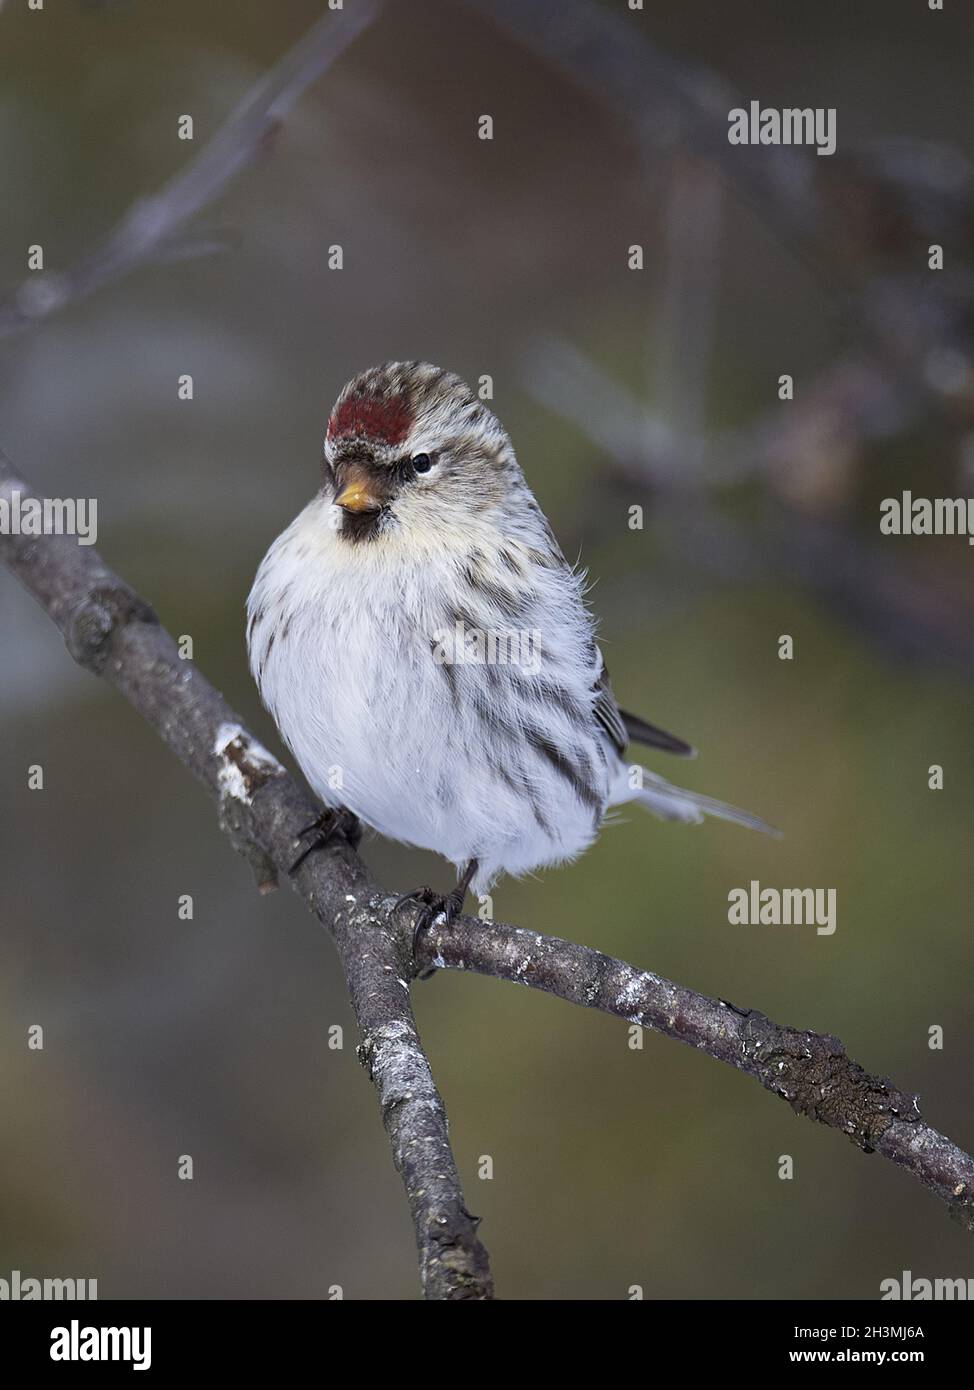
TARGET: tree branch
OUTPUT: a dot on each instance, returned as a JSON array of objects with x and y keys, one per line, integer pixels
[
  {"x": 110, "y": 630},
  {"x": 812, "y": 1071},
  {"x": 115, "y": 634}
]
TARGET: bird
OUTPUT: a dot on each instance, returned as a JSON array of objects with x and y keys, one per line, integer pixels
[{"x": 429, "y": 656}]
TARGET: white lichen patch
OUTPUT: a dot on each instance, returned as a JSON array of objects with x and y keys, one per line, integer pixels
[
  {"x": 631, "y": 991},
  {"x": 395, "y": 1030},
  {"x": 244, "y": 764}
]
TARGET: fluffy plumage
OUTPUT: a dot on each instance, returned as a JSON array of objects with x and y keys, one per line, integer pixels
[{"x": 506, "y": 748}]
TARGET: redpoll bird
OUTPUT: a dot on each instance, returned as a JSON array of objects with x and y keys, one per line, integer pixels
[{"x": 426, "y": 652}]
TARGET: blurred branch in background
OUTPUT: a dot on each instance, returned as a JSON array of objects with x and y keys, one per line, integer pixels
[
  {"x": 838, "y": 228},
  {"x": 860, "y": 223},
  {"x": 681, "y": 336},
  {"x": 112, "y": 632},
  {"x": 153, "y": 227},
  {"x": 664, "y": 102},
  {"x": 801, "y": 532}
]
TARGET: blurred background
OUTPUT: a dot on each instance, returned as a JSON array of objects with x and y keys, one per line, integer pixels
[{"x": 655, "y": 388}]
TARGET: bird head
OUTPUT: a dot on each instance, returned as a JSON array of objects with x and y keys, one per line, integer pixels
[{"x": 410, "y": 451}]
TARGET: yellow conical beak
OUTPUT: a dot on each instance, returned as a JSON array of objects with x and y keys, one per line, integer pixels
[{"x": 358, "y": 496}]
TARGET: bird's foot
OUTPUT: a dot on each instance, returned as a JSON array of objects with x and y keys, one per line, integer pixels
[
  {"x": 334, "y": 820},
  {"x": 435, "y": 905}
]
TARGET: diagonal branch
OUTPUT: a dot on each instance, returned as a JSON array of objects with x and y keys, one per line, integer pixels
[{"x": 110, "y": 630}]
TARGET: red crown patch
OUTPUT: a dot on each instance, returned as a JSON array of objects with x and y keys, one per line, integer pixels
[{"x": 386, "y": 420}]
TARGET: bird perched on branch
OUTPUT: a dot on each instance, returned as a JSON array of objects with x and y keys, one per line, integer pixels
[{"x": 426, "y": 652}]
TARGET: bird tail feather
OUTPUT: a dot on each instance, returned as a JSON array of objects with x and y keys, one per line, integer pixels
[{"x": 670, "y": 802}]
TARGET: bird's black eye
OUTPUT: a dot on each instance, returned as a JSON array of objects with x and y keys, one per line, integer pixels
[{"x": 422, "y": 463}]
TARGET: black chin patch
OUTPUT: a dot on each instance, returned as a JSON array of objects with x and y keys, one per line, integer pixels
[{"x": 360, "y": 526}]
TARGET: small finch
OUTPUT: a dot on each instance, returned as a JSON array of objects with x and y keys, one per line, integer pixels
[{"x": 427, "y": 654}]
